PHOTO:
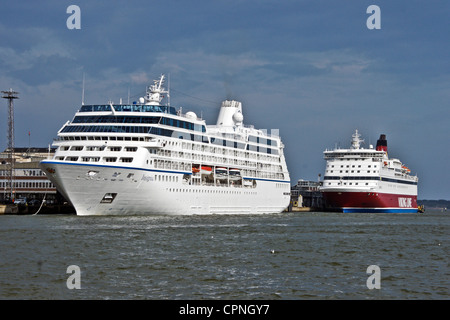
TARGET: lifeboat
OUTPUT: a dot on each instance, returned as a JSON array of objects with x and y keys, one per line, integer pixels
[
  {"x": 206, "y": 170},
  {"x": 235, "y": 174},
  {"x": 202, "y": 169},
  {"x": 221, "y": 171},
  {"x": 195, "y": 169}
]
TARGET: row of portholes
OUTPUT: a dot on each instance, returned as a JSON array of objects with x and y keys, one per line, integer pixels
[
  {"x": 27, "y": 184},
  {"x": 166, "y": 178},
  {"x": 210, "y": 191},
  {"x": 345, "y": 183}
]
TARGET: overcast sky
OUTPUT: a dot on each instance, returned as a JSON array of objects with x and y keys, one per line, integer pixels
[{"x": 311, "y": 69}]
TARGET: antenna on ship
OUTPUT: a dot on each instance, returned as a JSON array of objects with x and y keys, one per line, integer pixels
[
  {"x": 168, "y": 90},
  {"x": 154, "y": 93},
  {"x": 356, "y": 141},
  {"x": 82, "y": 93}
]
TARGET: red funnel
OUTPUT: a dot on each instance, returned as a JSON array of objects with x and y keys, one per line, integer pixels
[{"x": 382, "y": 143}]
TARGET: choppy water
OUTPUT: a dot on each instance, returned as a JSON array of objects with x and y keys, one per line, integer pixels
[{"x": 315, "y": 256}]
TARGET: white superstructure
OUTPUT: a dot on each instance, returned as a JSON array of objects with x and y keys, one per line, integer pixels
[{"x": 148, "y": 158}]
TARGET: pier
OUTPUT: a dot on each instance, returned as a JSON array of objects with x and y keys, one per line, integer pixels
[{"x": 306, "y": 196}]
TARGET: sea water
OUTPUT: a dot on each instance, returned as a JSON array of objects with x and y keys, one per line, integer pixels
[{"x": 314, "y": 255}]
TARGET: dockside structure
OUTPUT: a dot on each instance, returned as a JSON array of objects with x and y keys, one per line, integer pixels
[{"x": 28, "y": 180}]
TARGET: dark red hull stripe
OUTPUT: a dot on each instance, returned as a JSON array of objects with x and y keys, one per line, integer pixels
[{"x": 369, "y": 200}]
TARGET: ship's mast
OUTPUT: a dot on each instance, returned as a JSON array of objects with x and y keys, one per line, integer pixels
[
  {"x": 356, "y": 141},
  {"x": 155, "y": 92},
  {"x": 82, "y": 93}
]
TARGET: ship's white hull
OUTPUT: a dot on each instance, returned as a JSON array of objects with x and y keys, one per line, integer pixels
[
  {"x": 115, "y": 190},
  {"x": 385, "y": 187},
  {"x": 149, "y": 158}
]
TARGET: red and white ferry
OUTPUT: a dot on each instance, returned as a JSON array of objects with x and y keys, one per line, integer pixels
[{"x": 367, "y": 180}]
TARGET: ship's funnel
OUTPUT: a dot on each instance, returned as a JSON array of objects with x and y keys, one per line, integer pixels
[
  {"x": 382, "y": 143},
  {"x": 230, "y": 114}
]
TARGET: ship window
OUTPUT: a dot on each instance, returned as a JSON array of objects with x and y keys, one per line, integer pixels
[
  {"x": 90, "y": 159},
  {"x": 111, "y": 159},
  {"x": 126, "y": 159},
  {"x": 131, "y": 149}
]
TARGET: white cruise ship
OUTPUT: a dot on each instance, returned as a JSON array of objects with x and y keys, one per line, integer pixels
[
  {"x": 149, "y": 158},
  {"x": 367, "y": 180}
]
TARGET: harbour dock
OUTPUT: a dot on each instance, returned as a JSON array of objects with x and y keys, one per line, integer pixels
[
  {"x": 25, "y": 186},
  {"x": 306, "y": 197}
]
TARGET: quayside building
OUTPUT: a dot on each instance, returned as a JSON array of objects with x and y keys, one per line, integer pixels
[{"x": 22, "y": 178}]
